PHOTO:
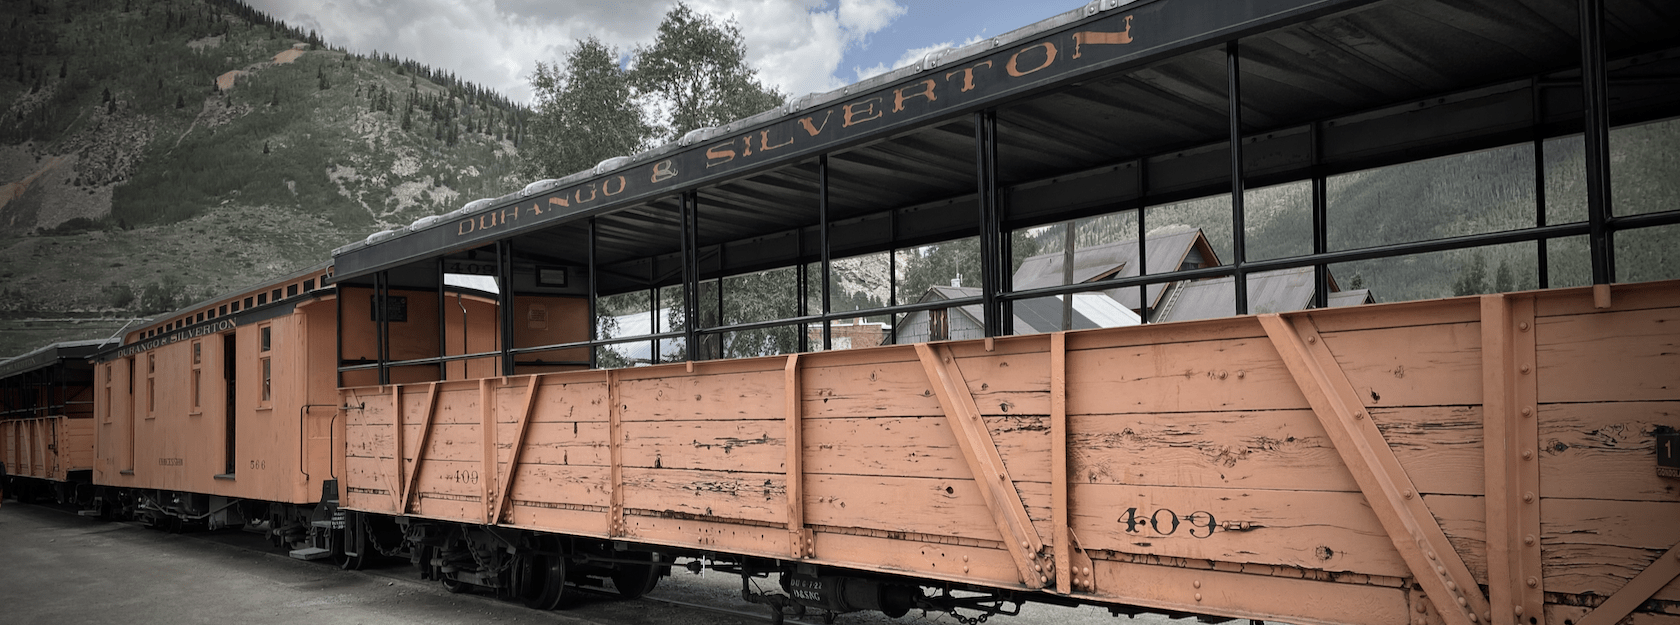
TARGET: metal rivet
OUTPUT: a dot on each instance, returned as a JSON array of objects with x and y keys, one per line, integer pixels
[
  {"x": 1421, "y": 609},
  {"x": 1524, "y": 327},
  {"x": 1358, "y": 415},
  {"x": 1528, "y": 497},
  {"x": 1038, "y": 569},
  {"x": 1472, "y": 614},
  {"x": 1197, "y": 583},
  {"x": 1518, "y": 610},
  {"x": 1440, "y": 570},
  {"x": 965, "y": 558},
  {"x": 1312, "y": 339},
  {"x": 1528, "y": 540},
  {"x": 1198, "y": 596},
  {"x": 1533, "y": 583},
  {"x": 965, "y": 569},
  {"x": 1408, "y": 494},
  {"x": 1524, "y": 368},
  {"x": 1451, "y": 585},
  {"x": 1527, "y": 412},
  {"x": 1431, "y": 555},
  {"x": 1043, "y": 580},
  {"x": 1462, "y": 602},
  {"x": 1528, "y": 454}
]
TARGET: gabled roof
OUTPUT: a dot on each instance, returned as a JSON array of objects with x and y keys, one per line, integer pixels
[
  {"x": 1281, "y": 290},
  {"x": 1044, "y": 314},
  {"x": 1167, "y": 251}
]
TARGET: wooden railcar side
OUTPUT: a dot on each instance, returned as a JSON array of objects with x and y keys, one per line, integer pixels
[{"x": 1325, "y": 466}]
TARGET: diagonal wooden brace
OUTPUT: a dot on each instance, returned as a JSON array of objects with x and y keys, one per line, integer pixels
[
  {"x": 420, "y": 449},
  {"x": 1637, "y": 591},
  {"x": 501, "y": 502},
  {"x": 1436, "y": 566},
  {"x": 1020, "y": 538}
]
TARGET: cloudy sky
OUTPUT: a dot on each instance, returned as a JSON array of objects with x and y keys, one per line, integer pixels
[{"x": 799, "y": 46}]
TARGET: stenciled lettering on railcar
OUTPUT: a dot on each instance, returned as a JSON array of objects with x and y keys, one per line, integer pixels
[
  {"x": 951, "y": 87},
  {"x": 1165, "y": 522},
  {"x": 177, "y": 336},
  {"x": 172, "y": 462}
]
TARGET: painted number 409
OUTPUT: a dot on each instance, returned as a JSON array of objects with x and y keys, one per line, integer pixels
[{"x": 1166, "y": 522}]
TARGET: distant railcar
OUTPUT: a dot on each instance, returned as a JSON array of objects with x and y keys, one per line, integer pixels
[{"x": 46, "y": 421}]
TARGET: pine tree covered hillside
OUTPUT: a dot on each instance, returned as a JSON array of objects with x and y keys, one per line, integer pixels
[{"x": 154, "y": 153}]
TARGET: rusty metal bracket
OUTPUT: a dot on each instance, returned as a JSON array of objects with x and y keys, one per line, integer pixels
[
  {"x": 419, "y": 450},
  {"x": 1020, "y": 539},
  {"x": 1436, "y": 566},
  {"x": 1510, "y": 440},
  {"x": 501, "y": 503},
  {"x": 1637, "y": 591}
]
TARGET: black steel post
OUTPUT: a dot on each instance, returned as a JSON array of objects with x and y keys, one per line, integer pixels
[
  {"x": 381, "y": 291},
  {"x": 802, "y": 307},
  {"x": 504, "y": 275},
  {"x": 690, "y": 274},
  {"x": 1596, "y": 133},
  {"x": 822, "y": 237},
  {"x": 1320, "y": 221},
  {"x": 1540, "y": 252},
  {"x": 1143, "y": 239},
  {"x": 1238, "y": 233},
  {"x": 594, "y": 307},
  {"x": 442, "y": 328},
  {"x": 985, "y": 131}
]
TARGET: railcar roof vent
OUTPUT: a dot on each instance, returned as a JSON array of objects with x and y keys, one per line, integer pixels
[
  {"x": 381, "y": 236},
  {"x": 696, "y": 135},
  {"x": 538, "y": 187},
  {"x": 475, "y": 205},
  {"x": 611, "y": 164},
  {"x": 424, "y": 222}
]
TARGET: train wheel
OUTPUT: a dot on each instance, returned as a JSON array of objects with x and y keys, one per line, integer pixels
[
  {"x": 635, "y": 580},
  {"x": 454, "y": 585},
  {"x": 542, "y": 581}
]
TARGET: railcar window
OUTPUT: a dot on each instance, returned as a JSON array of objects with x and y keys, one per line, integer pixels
[
  {"x": 200, "y": 318},
  {"x": 248, "y": 301},
  {"x": 291, "y": 289},
  {"x": 1640, "y": 183},
  {"x": 264, "y": 333},
  {"x": 274, "y": 296},
  {"x": 262, "y": 298},
  {"x": 267, "y": 376},
  {"x": 309, "y": 285}
]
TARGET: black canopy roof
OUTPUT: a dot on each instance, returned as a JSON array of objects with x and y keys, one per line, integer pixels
[{"x": 1107, "y": 107}]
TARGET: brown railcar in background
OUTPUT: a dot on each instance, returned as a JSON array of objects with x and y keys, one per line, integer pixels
[{"x": 46, "y": 421}]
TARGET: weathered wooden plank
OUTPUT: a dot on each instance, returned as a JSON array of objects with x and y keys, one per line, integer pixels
[
  {"x": 544, "y": 518},
  {"x": 1008, "y": 384},
  {"x": 747, "y": 496},
  {"x": 921, "y": 447},
  {"x": 1331, "y": 531},
  {"x": 771, "y": 542},
  {"x": 462, "y": 478},
  {"x": 564, "y": 443},
  {"x": 574, "y": 485},
  {"x": 706, "y": 397},
  {"x": 1611, "y": 356},
  {"x": 1604, "y": 450},
  {"x": 885, "y": 389},
  {"x": 1251, "y": 596},
  {"x": 571, "y": 402},
  {"x": 1204, "y": 376},
  {"x": 1596, "y": 546},
  {"x": 1431, "y": 365},
  {"x": 1278, "y": 449},
  {"x": 937, "y": 507},
  {"x": 1569, "y": 615},
  {"x": 957, "y": 563},
  {"x": 732, "y": 445},
  {"x": 448, "y": 441},
  {"x": 1624, "y": 297}
]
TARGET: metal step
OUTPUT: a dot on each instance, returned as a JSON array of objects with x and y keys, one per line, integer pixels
[
  {"x": 87, "y": 513},
  {"x": 327, "y": 524},
  {"x": 311, "y": 553}
]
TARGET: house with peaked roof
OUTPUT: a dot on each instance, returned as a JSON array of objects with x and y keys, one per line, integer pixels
[{"x": 1175, "y": 250}]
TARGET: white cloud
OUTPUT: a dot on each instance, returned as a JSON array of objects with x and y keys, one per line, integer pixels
[
  {"x": 796, "y": 45},
  {"x": 911, "y": 56}
]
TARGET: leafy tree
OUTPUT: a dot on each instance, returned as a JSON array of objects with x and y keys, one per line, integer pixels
[
  {"x": 696, "y": 69},
  {"x": 585, "y": 113}
]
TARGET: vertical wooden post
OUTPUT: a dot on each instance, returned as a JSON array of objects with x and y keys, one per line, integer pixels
[
  {"x": 615, "y": 438},
  {"x": 801, "y": 542},
  {"x": 1058, "y": 460},
  {"x": 397, "y": 442},
  {"x": 1510, "y": 439},
  {"x": 487, "y": 438}
]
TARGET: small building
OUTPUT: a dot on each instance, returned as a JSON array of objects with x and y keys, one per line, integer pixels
[{"x": 1279, "y": 290}]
